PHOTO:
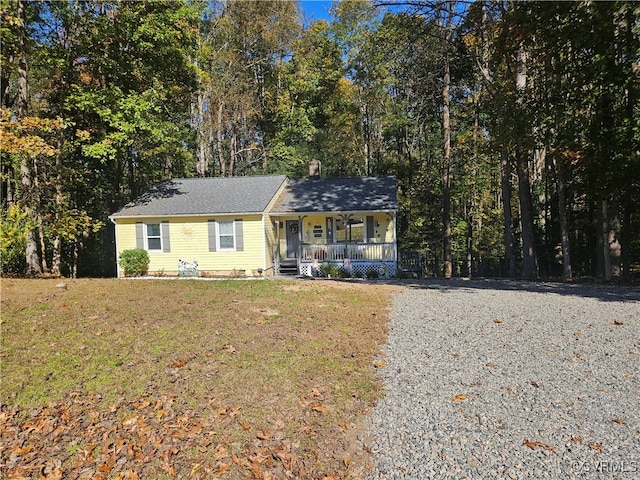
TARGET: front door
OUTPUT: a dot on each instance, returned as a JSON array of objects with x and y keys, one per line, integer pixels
[{"x": 293, "y": 238}]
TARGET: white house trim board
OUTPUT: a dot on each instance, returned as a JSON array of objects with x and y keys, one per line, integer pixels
[
  {"x": 264, "y": 243},
  {"x": 118, "y": 269},
  {"x": 186, "y": 215}
]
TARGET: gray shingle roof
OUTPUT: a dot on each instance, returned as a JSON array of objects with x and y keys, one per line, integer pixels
[
  {"x": 338, "y": 195},
  {"x": 205, "y": 196}
]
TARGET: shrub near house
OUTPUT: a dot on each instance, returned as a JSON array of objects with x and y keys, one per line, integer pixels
[{"x": 134, "y": 262}]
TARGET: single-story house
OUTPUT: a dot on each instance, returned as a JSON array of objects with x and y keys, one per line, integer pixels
[{"x": 263, "y": 225}]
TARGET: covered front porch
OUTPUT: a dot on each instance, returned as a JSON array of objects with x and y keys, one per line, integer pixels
[{"x": 356, "y": 244}]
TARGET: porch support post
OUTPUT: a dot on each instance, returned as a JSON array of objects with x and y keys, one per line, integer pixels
[
  {"x": 395, "y": 238},
  {"x": 300, "y": 237},
  {"x": 276, "y": 252}
]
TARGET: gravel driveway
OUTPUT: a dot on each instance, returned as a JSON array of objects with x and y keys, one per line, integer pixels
[{"x": 505, "y": 379}]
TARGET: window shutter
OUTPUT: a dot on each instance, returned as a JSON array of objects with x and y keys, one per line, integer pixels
[
  {"x": 139, "y": 235},
  {"x": 371, "y": 232},
  {"x": 212, "y": 235},
  {"x": 164, "y": 229},
  {"x": 239, "y": 236}
]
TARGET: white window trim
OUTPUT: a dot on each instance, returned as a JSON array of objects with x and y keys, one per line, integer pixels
[
  {"x": 235, "y": 241},
  {"x": 146, "y": 237}
]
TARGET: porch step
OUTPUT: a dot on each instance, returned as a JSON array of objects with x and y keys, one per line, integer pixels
[{"x": 288, "y": 267}]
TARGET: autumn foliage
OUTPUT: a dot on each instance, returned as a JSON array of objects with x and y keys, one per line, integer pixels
[{"x": 79, "y": 438}]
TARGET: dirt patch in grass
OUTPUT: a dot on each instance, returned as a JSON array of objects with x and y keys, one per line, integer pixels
[{"x": 188, "y": 379}]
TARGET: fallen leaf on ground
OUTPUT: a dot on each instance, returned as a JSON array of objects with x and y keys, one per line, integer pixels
[
  {"x": 130, "y": 475},
  {"x": 220, "y": 452},
  {"x": 228, "y": 411},
  {"x": 533, "y": 445},
  {"x": 498, "y": 320},
  {"x": 259, "y": 457},
  {"x": 55, "y": 474},
  {"x": 169, "y": 470},
  {"x": 318, "y": 407},
  {"x": 459, "y": 398},
  {"x": 265, "y": 434},
  {"x": 130, "y": 421},
  {"x": 21, "y": 450},
  {"x": 223, "y": 467},
  {"x": 380, "y": 364},
  {"x": 179, "y": 364}
]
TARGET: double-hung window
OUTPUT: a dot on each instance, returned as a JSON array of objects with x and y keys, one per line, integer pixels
[
  {"x": 154, "y": 237},
  {"x": 226, "y": 235}
]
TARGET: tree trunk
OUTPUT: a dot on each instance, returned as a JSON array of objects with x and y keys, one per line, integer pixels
[
  {"x": 56, "y": 261},
  {"x": 366, "y": 131},
  {"x": 539, "y": 175},
  {"x": 614, "y": 235},
  {"x": 203, "y": 152},
  {"x": 74, "y": 267},
  {"x": 37, "y": 202},
  {"x": 233, "y": 149},
  {"x": 509, "y": 251},
  {"x": 131, "y": 176},
  {"x": 567, "y": 274},
  {"x": 470, "y": 245},
  {"x": 632, "y": 151},
  {"x": 625, "y": 236},
  {"x": 9, "y": 192},
  {"x": 526, "y": 218},
  {"x": 524, "y": 182},
  {"x": 43, "y": 245},
  {"x": 446, "y": 171},
  {"x": 219, "y": 146},
  {"x": 606, "y": 253},
  {"x": 31, "y": 248}
]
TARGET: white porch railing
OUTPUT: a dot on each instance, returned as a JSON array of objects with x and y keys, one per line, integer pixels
[{"x": 338, "y": 252}]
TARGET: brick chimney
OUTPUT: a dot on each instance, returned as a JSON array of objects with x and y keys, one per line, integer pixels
[{"x": 314, "y": 168}]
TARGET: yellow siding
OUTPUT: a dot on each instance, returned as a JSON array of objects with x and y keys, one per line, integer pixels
[
  {"x": 189, "y": 239},
  {"x": 283, "y": 245},
  {"x": 270, "y": 234},
  {"x": 270, "y": 225},
  {"x": 384, "y": 232}
]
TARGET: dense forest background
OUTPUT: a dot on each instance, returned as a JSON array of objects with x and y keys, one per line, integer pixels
[{"x": 512, "y": 127}]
